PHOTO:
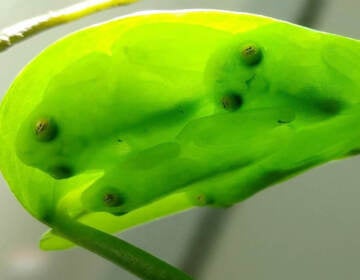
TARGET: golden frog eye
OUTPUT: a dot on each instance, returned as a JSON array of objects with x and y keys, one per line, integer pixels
[
  {"x": 45, "y": 129},
  {"x": 251, "y": 54}
]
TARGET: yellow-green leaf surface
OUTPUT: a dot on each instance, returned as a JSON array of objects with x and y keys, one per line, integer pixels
[{"x": 154, "y": 113}]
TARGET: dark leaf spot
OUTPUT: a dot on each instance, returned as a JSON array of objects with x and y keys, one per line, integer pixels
[
  {"x": 61, "y": 172},
  {"x": 231, "y": 102}
]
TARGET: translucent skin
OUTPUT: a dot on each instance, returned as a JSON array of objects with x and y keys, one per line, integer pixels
[{"x": 152, "y": 114}]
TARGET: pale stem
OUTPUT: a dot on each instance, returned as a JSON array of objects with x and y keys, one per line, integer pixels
[{"x": 24, "y": 29}]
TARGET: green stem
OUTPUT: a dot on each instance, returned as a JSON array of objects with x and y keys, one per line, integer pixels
[
  {"x": 32, "y": 26},
  {"x": 118, "y": 251}
]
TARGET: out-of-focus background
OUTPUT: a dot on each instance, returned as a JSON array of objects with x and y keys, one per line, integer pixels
[{"x": 305, "y": 228}]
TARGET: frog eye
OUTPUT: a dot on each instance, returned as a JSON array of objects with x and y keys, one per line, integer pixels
[
  {"x": 251, "y": 54},
  {"x": 113, "y": 199},
  {"x": 231, "y": 102},
  {"x": 61, "y": 172},
  {"x": 45, "y": 129}
]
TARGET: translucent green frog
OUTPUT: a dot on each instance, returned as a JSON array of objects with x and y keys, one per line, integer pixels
[{"x": 155, "y": 113}]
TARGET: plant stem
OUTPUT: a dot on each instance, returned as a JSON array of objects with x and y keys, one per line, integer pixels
[
  {"x": 118, "y": 251},
  {"x": 32, "y": 26}
]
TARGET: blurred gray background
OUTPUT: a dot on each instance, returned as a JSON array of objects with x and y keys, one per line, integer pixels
[{"x": 305, "y": 228}]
